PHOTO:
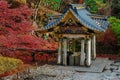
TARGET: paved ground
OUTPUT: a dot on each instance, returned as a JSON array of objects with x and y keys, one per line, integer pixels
[
  {"x": 97, "y": 65},
  {"x": 110, "y": 71}
]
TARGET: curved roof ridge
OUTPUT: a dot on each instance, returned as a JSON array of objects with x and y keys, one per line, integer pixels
[
  {"x": 98, "y": 16},
  {"x": 53, "y": 23},
  {"x": 81, "y": 15},
  {"x": 84, "y": 17},
  {"x": 78, "y": 6}
]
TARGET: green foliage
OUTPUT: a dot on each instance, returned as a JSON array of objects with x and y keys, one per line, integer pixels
[
  {"x": 93, "y": 5},
  {"x": 21, "y": 1},
  {"x": 100, "y": 3},
  {"x": 115, "y": 24},
  {"x": 54, "y": 3},
  {"x": 9, "y": 64}
]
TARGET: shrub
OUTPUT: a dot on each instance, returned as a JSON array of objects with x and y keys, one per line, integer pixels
[{"x": 9, "y": 65}]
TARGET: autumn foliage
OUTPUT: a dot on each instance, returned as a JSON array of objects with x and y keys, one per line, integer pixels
[
  {"x": 108, "y": 38},
  {"x": 16, "y": 32},
  {"x": 9, "y": 66},
  {"x": 106, "y": 42}
]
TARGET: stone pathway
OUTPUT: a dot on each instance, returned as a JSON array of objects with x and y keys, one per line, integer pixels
[
  {"x": 50, "y": 72},
  {"x": 111, "y": 71},
  {"x": 96, "y": 66}
]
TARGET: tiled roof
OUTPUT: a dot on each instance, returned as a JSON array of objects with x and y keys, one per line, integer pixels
[{"x": 91, "y": 21}]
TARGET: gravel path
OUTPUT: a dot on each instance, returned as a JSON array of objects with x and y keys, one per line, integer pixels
[
  {"x": 50, "y": 72},
  {"x": 53, "y": 72}
]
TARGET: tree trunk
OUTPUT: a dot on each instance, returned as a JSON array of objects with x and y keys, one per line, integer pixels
[{"x": 33, "y": 57}]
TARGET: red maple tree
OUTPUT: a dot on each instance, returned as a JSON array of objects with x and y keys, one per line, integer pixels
[
  {"x": 16, "y": 30},
  {"x": 108, "y": 38}
]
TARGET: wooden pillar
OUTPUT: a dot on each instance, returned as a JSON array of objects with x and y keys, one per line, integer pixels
[
  {"x": 82, "y": 56},
  {"x": 65, "y": 51},
  {"x": 93, "y": 47},
  {"x": 88, "y": 55},
  {"x": 59, "y": 61}
]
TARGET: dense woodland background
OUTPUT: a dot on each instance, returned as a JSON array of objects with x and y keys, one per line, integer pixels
[{"x": 19, "y": 19}]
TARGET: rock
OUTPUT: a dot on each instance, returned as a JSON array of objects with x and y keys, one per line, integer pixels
[
  {"x": 119, "y": 68},
  {"x": 107, "y": 67},
  {"x": 29, "y": 78},
  {"x": 111, "y": 67},
  {"x": 114, "y": 67},
  {"x": 118, "y": 76},
  {"x": 107, "y": 71},
  {"x": 117, "y": 64},
  {"x": 117, "y": 71}
]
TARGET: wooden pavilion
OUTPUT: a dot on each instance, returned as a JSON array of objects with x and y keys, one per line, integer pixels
[{"x": 77, "y": 23}]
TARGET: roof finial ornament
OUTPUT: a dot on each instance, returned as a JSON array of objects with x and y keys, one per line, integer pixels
[{"x": 80, "y": 1}]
